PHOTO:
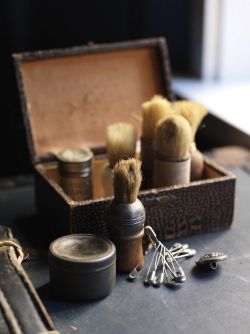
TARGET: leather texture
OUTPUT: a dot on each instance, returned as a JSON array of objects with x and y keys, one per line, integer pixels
[
  {"x": 21, "y": 310},
  {"x": 173, "y": 212}
]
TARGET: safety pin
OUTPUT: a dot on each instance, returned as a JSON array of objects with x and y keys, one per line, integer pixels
[
  {"x": 176, "y": 270},
  {"x": 135, "y": 273},
  {"x": 155, "y": 280},
  {"x": 147, "y": 279},
  {"x": 178, "y": 274},
  {"x": 183, "y": 253},
  {"x": 187, "y": 253}
]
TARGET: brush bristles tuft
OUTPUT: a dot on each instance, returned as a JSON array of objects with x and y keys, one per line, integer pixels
[
  {"x": 173, "y": 138},
  {"x": 121, "y": 142},
  {"x": 127, "y": 180},
  {"x": 152, "y": 111},
  {"x": 194, "y": 113}
]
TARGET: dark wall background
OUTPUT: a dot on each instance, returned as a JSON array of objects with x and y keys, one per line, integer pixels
[{"x": 27, "y": 25}]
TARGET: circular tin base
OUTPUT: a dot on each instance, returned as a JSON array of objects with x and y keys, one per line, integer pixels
[{"x": 82, "y": 267}]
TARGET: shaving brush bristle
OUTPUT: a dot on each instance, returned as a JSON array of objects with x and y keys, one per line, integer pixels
[
  {"x": 121, "y": 142},
  {"x": 127, "y": 179},
  {"x": 152, "y": 111},
  {"x": 173, "y": 138},
  {"x": 193, "y": 112}
]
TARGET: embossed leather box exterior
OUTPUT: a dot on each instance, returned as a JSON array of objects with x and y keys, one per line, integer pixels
[{"x": 69, "y": 96}]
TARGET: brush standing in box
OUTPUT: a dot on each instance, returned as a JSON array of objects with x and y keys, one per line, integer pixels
[
  {"x": 172, "y": 152},
  {"x": 153, "y": 111},
  {"x": 194, "y": 113},
  {"x": 121, "y": 144}
]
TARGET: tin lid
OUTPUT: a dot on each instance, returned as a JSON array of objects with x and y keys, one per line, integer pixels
[
  {"x": 75, "y": 160},
  {"x": 75, "y": 155},
  {"x": 82, "y": 253}
]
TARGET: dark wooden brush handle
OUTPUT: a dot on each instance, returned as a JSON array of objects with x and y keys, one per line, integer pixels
[{"x": 129, "y": 252}]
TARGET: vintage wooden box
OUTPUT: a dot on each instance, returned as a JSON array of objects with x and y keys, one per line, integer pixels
[{"x": 68, "y": 98}]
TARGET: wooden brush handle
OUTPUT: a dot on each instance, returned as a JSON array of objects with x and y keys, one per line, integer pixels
[
  {"x": 129, "y": 252},
  {"x": 147, "y": 154},
  {"x": 197, "y": 165},
  {"x": 169, "y": 173},
  {"x": 107, "y": 181},
  {"x": 147, "y": 158}
]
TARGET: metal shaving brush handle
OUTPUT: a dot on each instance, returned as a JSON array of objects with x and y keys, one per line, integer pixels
[
  {"x": 125, "y": 222},
  {"x": 125, "y": 219}
]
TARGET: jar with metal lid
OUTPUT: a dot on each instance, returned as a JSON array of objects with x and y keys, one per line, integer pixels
[
  {"x": 75, "y": 168},
  {"x": 82, "y": 267}
]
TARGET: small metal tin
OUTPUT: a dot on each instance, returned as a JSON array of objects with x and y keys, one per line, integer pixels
[
  {"x": 75, "y": 168},
  {"x": 82, "y": 267},
  {"x": 210, "y": 260}
]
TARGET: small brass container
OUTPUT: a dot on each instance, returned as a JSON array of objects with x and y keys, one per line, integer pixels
[
  {"x": 75, "y": 167},
  {"x": 82, "y": 267}
]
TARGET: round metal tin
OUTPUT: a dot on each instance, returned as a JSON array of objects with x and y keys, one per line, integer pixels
[
  {"x": 82, "y": 267},
  {"x": 75, "y": 170}
]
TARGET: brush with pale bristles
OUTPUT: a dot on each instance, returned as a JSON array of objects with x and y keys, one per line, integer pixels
[
  {"x": 172, "y": 151},
  {"x": 152, "y": 112},
  {"x": 121, "y": 144},
  {"x": 126, "y": 215},
  {"x": 127, "y": 180},
  {"x": 194, "y": 113}
]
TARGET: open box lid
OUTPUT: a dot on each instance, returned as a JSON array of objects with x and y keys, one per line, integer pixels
[{"x": 70, "y": 95}]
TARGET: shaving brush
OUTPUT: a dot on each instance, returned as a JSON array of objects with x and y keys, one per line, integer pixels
[
  {"x": 152, "y": 111},
  {"x": 126, "y": 215},
  {"x": 172, "y": 152},
  {"x": 121, "y": 144},
  {"x": 194, "y": 113}
]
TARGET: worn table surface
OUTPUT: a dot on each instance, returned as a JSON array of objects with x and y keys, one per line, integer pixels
[{"x": 208, "y": 302}]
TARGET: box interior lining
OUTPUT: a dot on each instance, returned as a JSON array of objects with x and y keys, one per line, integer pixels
[
  {"x": 51, "y": 172},
  {"x": 70, "y": 100}
]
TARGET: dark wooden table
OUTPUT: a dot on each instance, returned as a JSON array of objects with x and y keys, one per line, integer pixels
[{"x": 208, "y": 302}]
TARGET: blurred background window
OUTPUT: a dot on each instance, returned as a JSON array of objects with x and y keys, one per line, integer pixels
[{"x": 224, "y": 66}]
